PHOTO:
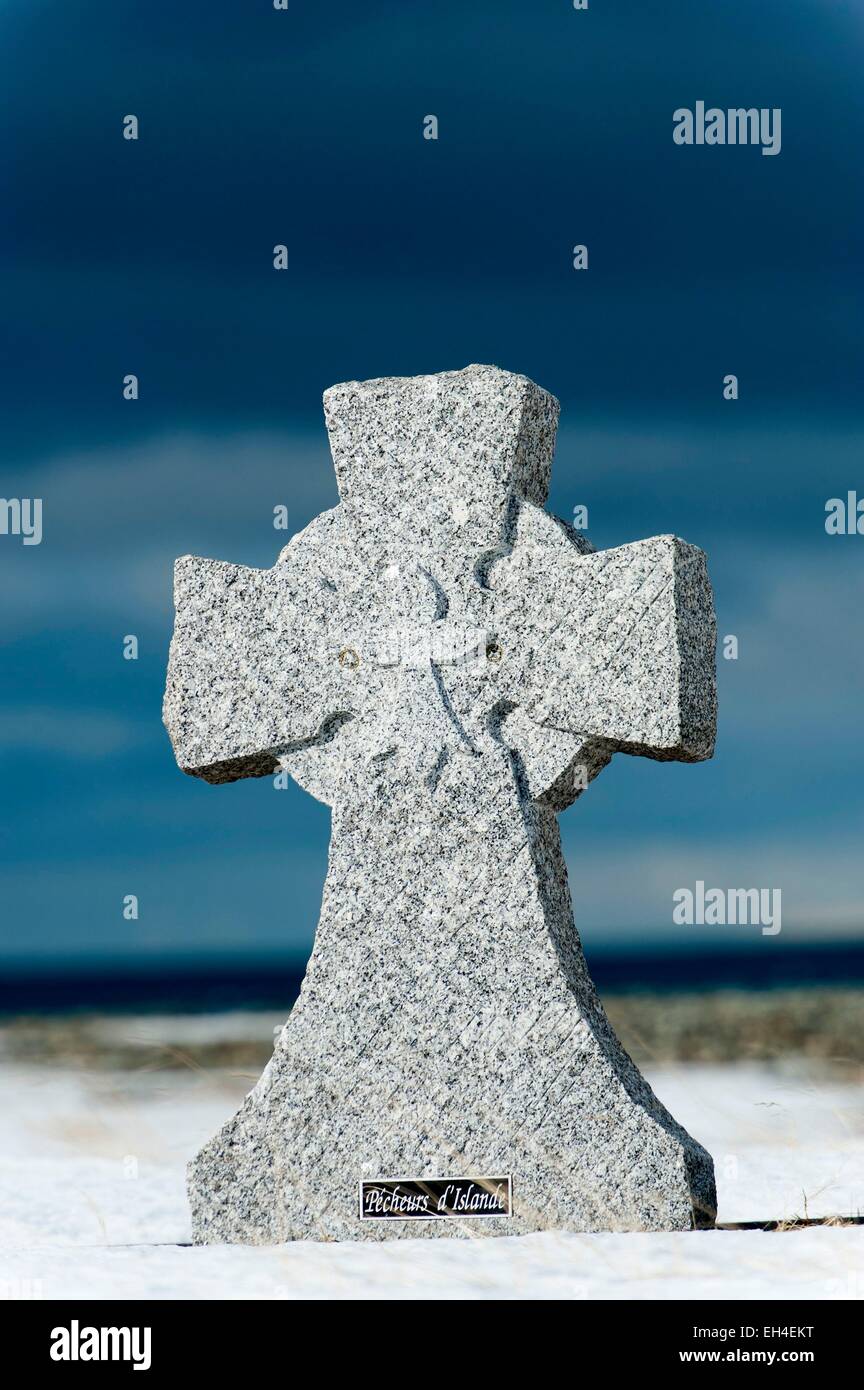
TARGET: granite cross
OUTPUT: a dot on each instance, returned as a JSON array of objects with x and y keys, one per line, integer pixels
[{"x": 447, "y": 665}]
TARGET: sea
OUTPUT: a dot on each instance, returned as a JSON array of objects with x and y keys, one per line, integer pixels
[{"x": 215, "y": 984}]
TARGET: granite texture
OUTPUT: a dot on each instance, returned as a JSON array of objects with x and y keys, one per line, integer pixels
[{"x": 448, "y": 666}]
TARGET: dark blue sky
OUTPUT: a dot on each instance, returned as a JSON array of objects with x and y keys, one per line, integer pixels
[{"x": 260, "y": 127}]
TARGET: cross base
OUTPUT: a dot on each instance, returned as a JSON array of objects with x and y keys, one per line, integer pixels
[{"x": 429, "y": 1043}]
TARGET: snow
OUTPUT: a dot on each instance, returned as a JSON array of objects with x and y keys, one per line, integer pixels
[{"x": 93, "y": 1203}]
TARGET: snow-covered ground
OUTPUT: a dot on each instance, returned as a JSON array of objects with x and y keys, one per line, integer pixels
[{"x": 93, "y": 1203}]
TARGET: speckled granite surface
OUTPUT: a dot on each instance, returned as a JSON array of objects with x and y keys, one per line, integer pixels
[{"x": 448, "y": 666}]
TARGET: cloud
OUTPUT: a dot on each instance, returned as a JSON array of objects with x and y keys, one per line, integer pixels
[
  {"x": 243, "y": 900},
  {"x": 116, "y": 518},
  {"x": 69, "y": 733},
  {"x": 623, "y": 892},
  {"x": 192, "y": 904}
]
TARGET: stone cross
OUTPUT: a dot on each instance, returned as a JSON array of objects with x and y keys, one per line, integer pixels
[{"x": 447, "y": 665}]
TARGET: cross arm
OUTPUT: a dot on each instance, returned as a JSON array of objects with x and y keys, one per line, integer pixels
[
  {"x": 617, "y": 645},
  {"x": 250, "y": 672}
]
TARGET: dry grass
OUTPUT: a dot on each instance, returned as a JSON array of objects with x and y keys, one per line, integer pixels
[{"x": 824, "y": 1026}]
